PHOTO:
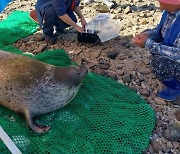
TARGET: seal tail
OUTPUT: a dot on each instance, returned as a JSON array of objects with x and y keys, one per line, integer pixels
[{"x": 35, "y": 128}]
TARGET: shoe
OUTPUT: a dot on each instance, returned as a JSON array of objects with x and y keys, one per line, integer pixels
[
  {"x": 169, "y": 94},
  {"x": 172, "y": 83},
  {"x": 50, "y": 40},
  {"x": 172, "y": 90},
  {"x": 58, "y": 32}
]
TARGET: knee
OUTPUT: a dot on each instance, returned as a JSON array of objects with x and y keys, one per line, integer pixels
[
  {"x": 155, "y": 61},
  {"x": 50, "y": 15}
]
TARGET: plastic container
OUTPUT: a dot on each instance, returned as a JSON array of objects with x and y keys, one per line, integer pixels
[
  {"x": 87, "y": 37},
  {"x": 33, "y": 16}
]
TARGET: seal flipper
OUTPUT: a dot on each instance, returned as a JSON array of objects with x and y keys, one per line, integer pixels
[{"x": 35, "y": 128}]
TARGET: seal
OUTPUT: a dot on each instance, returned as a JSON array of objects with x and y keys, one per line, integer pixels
[{"x": 31, "y": 87}]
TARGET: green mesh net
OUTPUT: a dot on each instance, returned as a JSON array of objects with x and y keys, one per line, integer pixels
[{"x": 104, "y": 117}]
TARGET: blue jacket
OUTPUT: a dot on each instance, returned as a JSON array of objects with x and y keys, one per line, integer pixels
[
  {"x": 164, "y": 40},
  {"x": 173, "y": 32}
]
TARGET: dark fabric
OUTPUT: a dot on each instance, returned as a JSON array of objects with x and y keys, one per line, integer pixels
[
  {"x": 60, "y": 25},
  {"x": 49, "y": 12},
  {"x": 173, "y": 31},
  {"x": 61, "y": 7},
  {"x": 164, "y": 68},
  {"x": 51, "y": 19},
  {"x": 172, "y": 83}
]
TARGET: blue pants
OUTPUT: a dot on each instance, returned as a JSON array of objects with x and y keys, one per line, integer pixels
[
  {"x": 3, "y": 4},
  {"x": 164, "y": 68},
  {"x": 51, "y": 19}
]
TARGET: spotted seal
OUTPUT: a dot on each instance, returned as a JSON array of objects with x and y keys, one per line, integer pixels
[{"x": 31, "y": 87}]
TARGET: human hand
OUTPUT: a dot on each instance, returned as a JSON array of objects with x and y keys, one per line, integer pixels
[
  {"x": 83, "y": 22},
  {"x": 140, "y": 39},
  {"x": 78, "y": 28}
]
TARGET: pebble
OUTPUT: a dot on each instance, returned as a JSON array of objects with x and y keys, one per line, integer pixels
[
  {"x": 177, "y": 115},
  {"x": 159, "y": 101}
]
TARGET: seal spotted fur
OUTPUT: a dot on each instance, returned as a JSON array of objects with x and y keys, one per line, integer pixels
[{"x": 31, "y": 87}]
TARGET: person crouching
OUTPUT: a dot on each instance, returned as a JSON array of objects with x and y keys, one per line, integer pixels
[{"x": 163, "y": 43}]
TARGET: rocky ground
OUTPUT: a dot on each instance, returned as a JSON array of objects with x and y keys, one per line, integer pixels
[{"x": 119, "y": 59}]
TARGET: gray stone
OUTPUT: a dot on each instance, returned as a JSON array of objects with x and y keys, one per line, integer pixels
[
  {"x": 127, "y": 78},
  {"x": 176, "y": 145},
  {"x": 127, "y": 10},
  {"x": 171, "y": 134},
  {"x": 159, "y": 101},
  {"x": 103, "y": 66},
  {"x": 176, "y": 102},
  {"x": 156, "y": 146},
  {"x": 159, "y": 122},
  {"x": 112, "y": 54},
  {"x": 144, "y": 92},
  {"x": 177, "y": 115}
]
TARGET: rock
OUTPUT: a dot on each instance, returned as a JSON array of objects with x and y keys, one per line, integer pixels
[
  {"x": 177, "y": 115},
  {"x": 90, "y": 65},
  {"x": 143, "y": 21},
  {"x": 146, "y": 61},
  {"x": 177, "y": 125},
  {"x": 178, "y": 149},
  {"x": 96, "y": 54},
  {"x": 159, "y": 108},
  {"x": 159, "y": 101},
  {"x": 133, "y": 87},
  {"x": 144, "y": 92},
  {"x": 169, "y": 145},
  {"x": 127, "y": 10},
  {"x": 112, "y": 54},
  {"x": 176, "y": 145},
  {"x": 171, "y": 134},
  {"x": 120, "y": 73},
  {"x": 101, "y": 8},
  {"x": 103, "y": 61},
  {"x": 118, "y": 10},
  {"x": 159, "y": 122},
  {"x": 149, "y": 150},
  {"x": 103, "y": 66},
  {"x": 108, "y": 3},
  {"x": 42, "y": 48},
  {"x": 127, "y": 78},
  {"x": 140, "y": 77},
  {"x": 156, "y": 146},
  {"x": 176, "y": 102}
]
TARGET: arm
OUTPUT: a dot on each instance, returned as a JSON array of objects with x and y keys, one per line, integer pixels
[
  {"x": 172, "y": 53},
  {"x": 70, "y": 22},
  {"x": 77, "y": 10},
  {"x": 60, "y": 8},
  {"x": 153, "y": 34},
  {"x": 140, "y": 39}
]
